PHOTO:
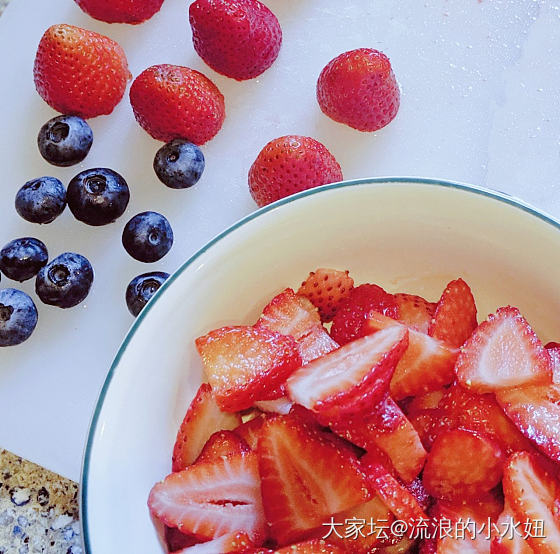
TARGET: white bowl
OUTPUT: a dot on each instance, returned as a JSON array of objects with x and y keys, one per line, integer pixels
[{"x": 405, "y": 234}]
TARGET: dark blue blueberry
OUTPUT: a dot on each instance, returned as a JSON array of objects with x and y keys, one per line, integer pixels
[
  {"x": 65, "y": 281},
  {"x": 65, "y": 140},
  {"x": 18, "y": 317},
  {"x": 22, "y": 259},
  {"x": 179, "y": 164},
  {"x": 41, "y": 200},
  {"x": 97, "y": 196},
  {"x": 147, "y": 237},
  {"x": 142, "y": 288}
]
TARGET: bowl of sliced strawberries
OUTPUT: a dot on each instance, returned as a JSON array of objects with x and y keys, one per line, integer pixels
[{"x": 365, "y": 367}]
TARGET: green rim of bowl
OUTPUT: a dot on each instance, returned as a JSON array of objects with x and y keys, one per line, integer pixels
[{"x": 494, "y": 195}]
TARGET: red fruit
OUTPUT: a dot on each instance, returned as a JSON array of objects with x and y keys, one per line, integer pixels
[
  {"x": 348, "y": 322},
  {"x": 203, "y": 418},
  {"x": 503, "y": 352},
  {"x": 244, "y": 364},
  {"x": 404, "y": 546},
  {"x": 211, "y": 499},
  {"x": 250, "y": 430},
  {"x": 326, "y": 288},
  {"x": 358, "y": 88},
  {"x": 509, "y": 535},
  {"x": 427, "y": 401},
  {"x": 232, "y": 543},
  {"x": 553, "y": 349},
  {"x": 222, "y": 444},
  {"x": 290, "y": 164},
  {"x": 281, "y": 405},
  {"x": 315, "y": 344},
  {"x": 80, "y": 72},
  {"x": 414, "y": 311},
  {"x": 175, "y": 540},
  {"x": 305, "y": 478},
  {"x": 237, "y": 38},
  {"x": 171, "y": 101},
  {"x": 314, "y": 546},
  {"x": 121, "y": 11}
]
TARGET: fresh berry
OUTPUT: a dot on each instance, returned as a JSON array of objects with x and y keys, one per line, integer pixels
[
  {"x": 22, "y": 259},
  {"x": 79, "y": 72},
  {"x": 313, "y": 546},
  {"x": 232, "y": 543},
  {"x": 358, "y": 88},
  {"x": 222, "y": 444},
  {"x": 281, "y": 405},
  {"x": 121, "y": 11},
  {"x": 291, "y": 164},
  {"x": 553, "y": 349},
  {"x": 41, "y": 200},
  {"x": 65, "y": 281},
  {"x": 250, "y": 430},
  {"x": 237, "y": 38},
  {"x": 244, "y": 364},
  {"x": 171, "y": 101},
  {"x": 179, "y": 164},
  {"x": 97, "y": 196},
  {"x": 142, "y": 288},
  {"x": 147, "y": 237},
  {"x": 203, "y": 418},
  {"x": 427, "y": 401},
  {"x": 315, "y": 344},
  {"x": 503, "y": 352},
  {"x": 175, "y": 540},
  {"x": 414, "y": 311},
  {"x": 65, "y": 140},
  {"x": 509, "y": 538},
  {"x": 18, "y": 317}
]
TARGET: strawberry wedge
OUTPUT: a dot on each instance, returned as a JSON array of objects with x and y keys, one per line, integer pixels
[
  {"x": 222, "y": 444},
  {"x": 233, "y": 543},
  {"x": 414, "y": 311},
  {"x": 506, "y": 541},
  {"x": 553, "y": 349}
]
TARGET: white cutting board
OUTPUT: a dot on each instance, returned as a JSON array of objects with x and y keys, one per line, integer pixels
[{"x": 480, "y": 91}]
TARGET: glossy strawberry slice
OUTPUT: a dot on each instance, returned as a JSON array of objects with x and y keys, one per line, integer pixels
[
  {"x": 203, "y": 418},
  {"x": 281, "y": 405},
  {"x": 414, "y": 311},
  {"x": 503, "y": 352},
  {"x": 508, "y": 537},
  {"x": 175, "y": 540},
  {"x": 315, "y": 344},
  {"x": 211, "y": 499},
  {"x": 250, "y": 430},
  {"x": 222, "y": 444},
  {"x": 553, "y": 349},
  {"x": 244, "y": 364},
  {"x": 227, "y": 544}
]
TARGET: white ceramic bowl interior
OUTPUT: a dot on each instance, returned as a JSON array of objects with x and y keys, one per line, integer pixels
[{"x": 404, "y": 234}]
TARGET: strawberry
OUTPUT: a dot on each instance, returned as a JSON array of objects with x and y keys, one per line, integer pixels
[
  {"x": 244, "y": 363},
  {"x": 120, "y": 11},
  {"x": 171, "y": 101},
  {"x": 250, "y": 430},
  {"x": 203, "y": 418},
  {"x": 231, "y": 543},
  {"x": 414, "y": 311},
  {"x": 211, "y": 499},
  {"x": 175, "y": 540},
  {"x": 326, "y": 288},
  {"x": 426, "y": 401},
  {"x": 281, "y": 405},
  {"x": 404, "y": 546},
  {"x": 462, "y": 465},
  {"x": 503, "y": 352},
  {"x": 315, "y": 344},
  {"x": 348, "y": 322},
  {"x": 221, "y": 444},
  {"x": 304, "y": 478},
  {"x": 80, "y": 72},
  {"x": 237, "y": 38},
  {"x": 355, "y": 375},
  {"x": 534, "y": 495},
  {"x": 358, "y": 88},
  {"x": 509, "y": 537},
  {"x": 290, "y": 164},
  {"x": 553, "y": 349},
  {"x": 313, "y": 546}
]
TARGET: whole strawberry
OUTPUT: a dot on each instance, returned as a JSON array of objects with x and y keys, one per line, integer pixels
[
  {"x": 290, "y": 164},
  {"x": 171, "y": 101},
  {"x": 120, "y": 11},
  {"x": 358, "y": 88},
  {"x": 79, "y": 72},
  {"x": 237, "y": 38}
]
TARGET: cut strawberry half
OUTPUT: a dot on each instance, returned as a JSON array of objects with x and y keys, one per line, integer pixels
[
  {"x": 281, "y": 405},
  {"x": 203, "y": 418},
  {"x": 211, "y": 499},
  {"x": 455, "y": 316},
  {"x": 221, "y": 444},
  {"x": 175, "y": 540},
  {"x": 346, "y": 380},
  {"x": 250, "y": 430},
  {"x": 504, "y": 352},
  {"x": 414, "y": 311},
  {"x": 305, "y": 478},
  {"x": 244, "y": 364},
  {"x": 553, "y": 349},
  {"x": 233, "y": 543},
  {"x": 427, "y": 401},
  {"x": 508, "y": 537},
  {"x": 315, "y": 344}
]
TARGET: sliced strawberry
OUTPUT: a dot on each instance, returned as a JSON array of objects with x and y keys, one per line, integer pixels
[
  {"x": 427, "y": 424},
  {"x": 244, "y": 364},
  {"x": 428, "y": 546},
  {"x": 509, "y": 535},
  {"x": 315, "y": 344},
  {"x": 305, "y": 478},
  {"x": 326, "y": 288},
  {"x": 281, "y": 405},
  {"x": 250, "y": 431},
  {"x": 414, "y": 311},
  {"x": 534, "y": 496},
  {"x": 175, "y": 540},
  {"x": 553, "y": 349},
  {"x": 427, "y": 401},
  {"x": 227, "y": 544},
  {"x": 417, "y": 489},
  {"x": 351, "y": 377},
  {"x": 404, "y": 546},
  {"x": 203, "y": 418},
  {"x": 455, "y": 316},
  {"x": 503, "y": 352},
  {"x": 220, "y": 444},
  {"x": 314, "y": 546},
  {"x": 427, "y": 364},
  {"x": 211, "y": 499}
]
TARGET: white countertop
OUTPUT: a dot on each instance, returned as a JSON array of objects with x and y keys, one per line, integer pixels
[{"x": 480, "y": 104}]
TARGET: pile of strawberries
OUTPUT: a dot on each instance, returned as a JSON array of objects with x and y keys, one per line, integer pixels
[{"x": 393, "y": 431}]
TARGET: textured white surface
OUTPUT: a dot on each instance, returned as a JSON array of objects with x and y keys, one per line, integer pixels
[{"x": 480, "y": 91}]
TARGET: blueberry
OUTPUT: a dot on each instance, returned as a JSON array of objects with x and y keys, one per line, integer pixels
[
  {"x": 22, "y": 259},
  {"x": 65, "y": 140},
  {"x": 147, "y": 237},
  {"x": 41, "y": 200},
  {"x": 97, "y": 196},
  {"x": 179, "y": 164},
  {"x": 65, "y": 281},
  {"x": 18, "y": 317},
  {"x": 142, "y": 288}
]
